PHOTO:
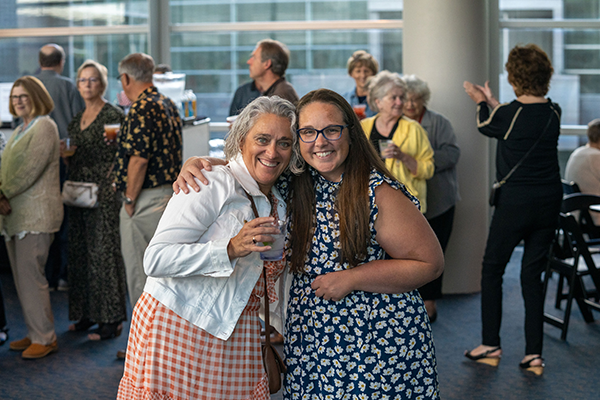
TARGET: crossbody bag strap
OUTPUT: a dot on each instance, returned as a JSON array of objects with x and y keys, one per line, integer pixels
[
  {"x": 503, "y": 181},
  {"x": 267, "y": 322}
]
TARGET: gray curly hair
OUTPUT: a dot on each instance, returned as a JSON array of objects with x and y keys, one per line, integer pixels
[
  {"x": 379, "y": 85},
  {"x": 417, "y": 86},
  {"x": 252, "y": 112}
]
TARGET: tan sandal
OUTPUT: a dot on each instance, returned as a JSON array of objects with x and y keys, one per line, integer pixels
[
  {"x": 535, "y": 369},
  {"x": 485, "y": 358}
]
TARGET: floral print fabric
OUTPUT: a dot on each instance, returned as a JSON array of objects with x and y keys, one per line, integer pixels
[
  {"x": 366, "y": 346},
  {"x": 151, "y": 130}
]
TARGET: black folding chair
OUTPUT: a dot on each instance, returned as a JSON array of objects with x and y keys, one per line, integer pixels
[
  {"x": 579, "y": 205},
  {"x": 571, "y": 258},
  {"x": 570, "y": 187}
]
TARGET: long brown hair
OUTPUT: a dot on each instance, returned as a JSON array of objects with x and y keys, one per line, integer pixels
[{"x": 352, "y": 201}]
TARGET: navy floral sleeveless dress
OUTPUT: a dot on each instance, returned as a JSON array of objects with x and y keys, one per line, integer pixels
[{"x": 366, "y": 346}]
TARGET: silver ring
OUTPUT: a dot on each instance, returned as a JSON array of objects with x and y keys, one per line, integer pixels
[{"x": 253, "y": 240}]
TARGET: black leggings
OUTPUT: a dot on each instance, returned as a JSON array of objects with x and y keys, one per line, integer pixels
[{"x": 516, "y": 219}]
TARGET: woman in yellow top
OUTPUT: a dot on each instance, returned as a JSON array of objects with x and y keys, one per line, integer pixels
[{"x": 408, "y": 154}]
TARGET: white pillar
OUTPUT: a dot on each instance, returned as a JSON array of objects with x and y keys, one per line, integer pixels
[
  {"x": 159, "y": 45},
  {"x": 446, "y": 43}
]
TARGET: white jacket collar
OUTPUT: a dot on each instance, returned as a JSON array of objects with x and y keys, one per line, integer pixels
[{"x": 240, "y": 171}]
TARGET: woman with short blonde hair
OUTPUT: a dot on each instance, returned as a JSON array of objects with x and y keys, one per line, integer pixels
[{"x": 96, "y": 271}]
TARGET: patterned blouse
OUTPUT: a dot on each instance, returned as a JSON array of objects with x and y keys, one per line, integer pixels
[
  {"x": 151, "y": 130},
  {"x": 365, "y": 346}
]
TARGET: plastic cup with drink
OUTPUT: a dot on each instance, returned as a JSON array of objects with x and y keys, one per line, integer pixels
[
  {"x": 383, "y": 145},
  {"x": 68, "y": 147},
  {"x": 360, "y": 111},
  {"x": 276, "y": 252},
  {"x": 110, "y": 131}
]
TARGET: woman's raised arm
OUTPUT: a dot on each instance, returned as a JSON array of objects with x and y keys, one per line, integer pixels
[{"x": 192, "y": 168}]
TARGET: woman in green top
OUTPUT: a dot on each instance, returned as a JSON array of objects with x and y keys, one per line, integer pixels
[{"x": 31, "y": 209}]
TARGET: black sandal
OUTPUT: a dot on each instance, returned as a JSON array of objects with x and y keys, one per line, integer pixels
[
  {"x": 82, "y": 325},
  {"x": 107, "y": 331},
  {"x": 485, "y": 357},
  {"x": 536, "y": 369}
]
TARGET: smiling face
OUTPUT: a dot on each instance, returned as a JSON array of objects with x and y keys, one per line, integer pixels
[
  {"x": 326, "y": 156},
  {"x": 360, "y": 74},
  {"x": 267, "y": 149},
  {"x": 414, "y": 106},
  {"x": 21, "y": 101},
  {"x": 89, "y": 89},
  {"x": 391, "y": 104}
]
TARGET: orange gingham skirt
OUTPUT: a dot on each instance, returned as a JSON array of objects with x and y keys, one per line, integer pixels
[{"x": 171, "y": 358}]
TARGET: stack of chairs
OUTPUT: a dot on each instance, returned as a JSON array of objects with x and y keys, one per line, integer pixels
[{"x": 575, "y": 256}]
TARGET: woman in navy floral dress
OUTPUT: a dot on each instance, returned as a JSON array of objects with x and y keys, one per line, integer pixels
[{"x": 356, "y": 326}]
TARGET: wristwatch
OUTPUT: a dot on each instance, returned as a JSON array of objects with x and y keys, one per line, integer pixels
[{"x": 128, "y": 200}]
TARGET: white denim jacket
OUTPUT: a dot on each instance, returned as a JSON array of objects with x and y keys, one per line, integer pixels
[{"x": 186, "y": 261}]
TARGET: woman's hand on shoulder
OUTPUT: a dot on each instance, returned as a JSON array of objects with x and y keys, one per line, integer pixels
[{"x": 192, "y": 168}]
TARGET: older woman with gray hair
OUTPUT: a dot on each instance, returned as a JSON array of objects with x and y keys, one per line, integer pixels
[
  {"x": 442, "y": 188},
  {"x": 201, "y": 301},
  {"x": 96, "y": 271},
  {"x": 400, "y": 141}
]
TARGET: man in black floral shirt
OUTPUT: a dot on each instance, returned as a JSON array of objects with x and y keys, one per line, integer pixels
[{"x": 148, "y": 160}]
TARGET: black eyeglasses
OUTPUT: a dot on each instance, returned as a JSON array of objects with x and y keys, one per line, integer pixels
[
  {"x": 331, "y": 132},
  {"x": 90, "y": 80},
  {"x": 119, "y": 77},
  {"x": 21, "y": 97}
]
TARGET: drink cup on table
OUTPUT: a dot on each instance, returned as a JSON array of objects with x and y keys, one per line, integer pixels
[
  {"x": 383, "y": 145},
  {"x": 276, "y": 252},
  {"x": 360, "y": 111},
  {"x": 110, "y": 131}
]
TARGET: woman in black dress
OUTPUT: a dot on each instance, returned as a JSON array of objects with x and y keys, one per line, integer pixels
[
  {"x": 529, "y": 202},
  {"x": 96, "y": 272}
]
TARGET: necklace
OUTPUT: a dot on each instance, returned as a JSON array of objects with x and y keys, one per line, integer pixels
[{"x": 90, "y": 114}]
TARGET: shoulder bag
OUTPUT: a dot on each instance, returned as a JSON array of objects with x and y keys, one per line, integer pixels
[
  {"x": 495, "y": 192},
  {"x": 80, "y": 194},
  {"x": 272, "y": 361}
]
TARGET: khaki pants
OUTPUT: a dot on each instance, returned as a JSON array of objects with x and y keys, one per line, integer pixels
[
  {"x": 136, "y": 232},
  {"x": 27, "y": 260}
]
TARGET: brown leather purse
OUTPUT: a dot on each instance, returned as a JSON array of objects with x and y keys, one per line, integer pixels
[{"x": 272, "y": 361}]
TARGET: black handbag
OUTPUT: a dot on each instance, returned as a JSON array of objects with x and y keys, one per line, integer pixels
[{"x": 495, "y": 192}]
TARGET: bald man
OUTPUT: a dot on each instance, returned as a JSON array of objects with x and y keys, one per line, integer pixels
[{"x": 67, "y": 103}]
